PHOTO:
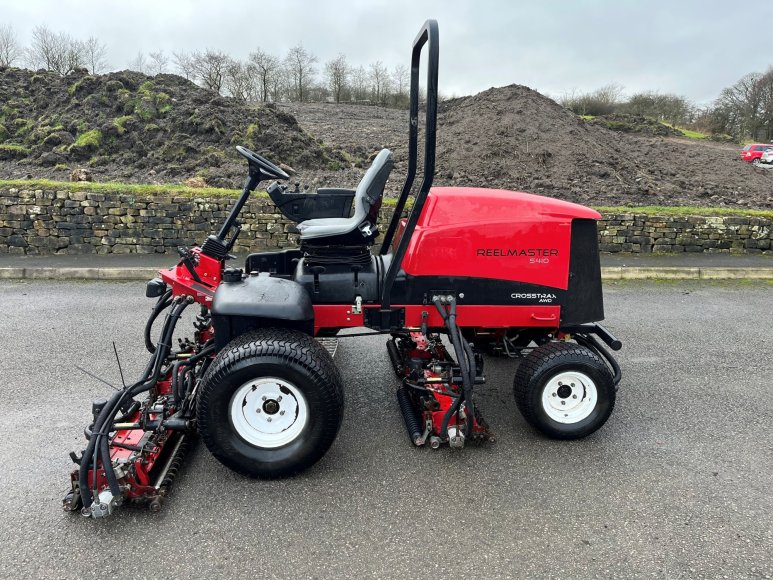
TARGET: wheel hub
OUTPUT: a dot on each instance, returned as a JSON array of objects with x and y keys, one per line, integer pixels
[
  {"x": 569, "y": 397},
  {"x": 268, "y": 412}
]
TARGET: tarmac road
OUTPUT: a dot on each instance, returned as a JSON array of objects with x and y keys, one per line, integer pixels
[{"x": 677, "y": 484}]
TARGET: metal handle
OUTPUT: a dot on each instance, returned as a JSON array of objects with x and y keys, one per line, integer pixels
[{"x": 544, "y": 318}]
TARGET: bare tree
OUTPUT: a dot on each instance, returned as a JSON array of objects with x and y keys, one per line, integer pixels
[
  {"x": 280, "y": 83},
  {"x": 184, "y": 63},
  {"x": 267, "y": 69},
  {"x": 209, "y": 68},
  {"x": 401, "y": 78},
  {"x": 95, "y": 53},
  {"x": 741, "y": 106},
  {"x": 158, "y": 62},
  {"x": 57, "y": 52},
  {"x": 10, "y": 51},
  {"x": 300, "y": 66},
  {"x": 359, "y": 83},
  {"x": 401, "y": 82},
  {"x": 139, "y": 63},
  {"x": 664, "y": 107},
  {"x": 337, "y": 71},
  {"x": 241, "y": 80},
  {"x": 379, "y": 76},
  {"x": 602, "y": 101}
]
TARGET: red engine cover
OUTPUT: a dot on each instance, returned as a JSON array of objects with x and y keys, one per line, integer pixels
[{"x": 493, "y": 233}]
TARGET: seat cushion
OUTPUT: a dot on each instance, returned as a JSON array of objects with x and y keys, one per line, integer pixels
[{"x": 323, "y": 227}]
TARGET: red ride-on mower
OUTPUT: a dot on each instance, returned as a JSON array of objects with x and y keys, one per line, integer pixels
[{"x": 492, "y": 271}]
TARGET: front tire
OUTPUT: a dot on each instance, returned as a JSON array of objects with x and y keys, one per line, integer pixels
[
  {"x": 271, "y": 403},
  {"x": 564, "y": 390},
  {"x": 756, "y": 161}
]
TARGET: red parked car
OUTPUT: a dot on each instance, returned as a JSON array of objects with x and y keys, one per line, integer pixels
[{"x": 752, "y": 153}]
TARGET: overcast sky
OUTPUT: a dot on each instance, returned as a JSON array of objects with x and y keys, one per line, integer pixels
[{"x": 689, "y": 47}]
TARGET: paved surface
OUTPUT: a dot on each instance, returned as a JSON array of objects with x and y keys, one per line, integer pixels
[{"x": 677, "y": 484}]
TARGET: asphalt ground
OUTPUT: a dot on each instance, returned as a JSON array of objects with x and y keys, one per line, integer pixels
[{"x": 676, "y": 484}]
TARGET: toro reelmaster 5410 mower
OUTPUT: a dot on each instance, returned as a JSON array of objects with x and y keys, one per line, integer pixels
[{"x": 491, "y": 270}]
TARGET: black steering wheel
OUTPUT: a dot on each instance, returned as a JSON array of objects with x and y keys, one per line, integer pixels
[{"x": 264, "y": 164}]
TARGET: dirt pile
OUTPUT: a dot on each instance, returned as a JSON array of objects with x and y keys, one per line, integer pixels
[
  {"x": 130, "y": 127},
  {"x": 515, "y": 138}
]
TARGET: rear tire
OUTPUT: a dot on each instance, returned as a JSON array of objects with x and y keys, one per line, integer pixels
[
  {"x": 271, "y": 403},
  {"x": 564, "y": 390}
]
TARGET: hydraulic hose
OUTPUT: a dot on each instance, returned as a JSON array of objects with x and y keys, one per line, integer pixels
[
  {"x": 83, "y": 474},
  {"x": 473, "y": 371},
  {"x": 160, "y": 306},
  {"x": 466, "y": 362}
]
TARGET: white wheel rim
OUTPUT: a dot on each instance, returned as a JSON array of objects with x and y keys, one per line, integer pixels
[
  {"x": 269, "y": 412},
  {"x": 569, "y": 397}
]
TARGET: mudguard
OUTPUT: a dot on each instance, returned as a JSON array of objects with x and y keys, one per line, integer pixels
[{"x": 260, "y": 301}]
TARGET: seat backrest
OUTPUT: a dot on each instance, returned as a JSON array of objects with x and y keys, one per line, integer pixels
[{"x": 367, "y": 198}]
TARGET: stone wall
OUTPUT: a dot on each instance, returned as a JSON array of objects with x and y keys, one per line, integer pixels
[
  {"x": 80, "y": 222},
  {"x": 640, "y": 233}
]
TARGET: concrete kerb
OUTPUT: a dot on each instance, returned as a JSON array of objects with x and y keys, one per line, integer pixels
[{"x": 608, "y": 273}]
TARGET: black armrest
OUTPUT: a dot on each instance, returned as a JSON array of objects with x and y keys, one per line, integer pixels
[{"x": 335, "y": 191}]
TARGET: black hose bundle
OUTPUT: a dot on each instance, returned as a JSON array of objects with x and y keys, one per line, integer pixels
[
  {"x": 466, "y": 359},
  {"x": 161, "y": 305}
]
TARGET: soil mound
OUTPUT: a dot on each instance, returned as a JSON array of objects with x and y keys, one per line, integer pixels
[
  {"x": 130, "y": 127},
  {"x": 515, "y": 138}
]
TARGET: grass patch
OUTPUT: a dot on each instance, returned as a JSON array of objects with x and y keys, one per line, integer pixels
[
  {"x": 667, "y": 210},
  {"x": 587, "y": 117},
  {"x": 146, "y": 88},
  {"x": 163, "y": 103},
  {"x": 120, "y": 123},
  {"x": 16, "y": 149},
  {"x": 138, "y": 189},
  {"x": 89, "y": 139},
  {"x": 73, "y": 88},
  {"x": 689, "y": 133},
  {"x": 23, "y": 126}
]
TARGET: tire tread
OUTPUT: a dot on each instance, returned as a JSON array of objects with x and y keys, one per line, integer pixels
[
  {"x": 537, "y": 362},
  {"x": 288, "y": 346}
]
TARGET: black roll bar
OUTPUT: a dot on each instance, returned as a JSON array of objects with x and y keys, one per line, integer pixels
[{"x": 427, "y": 35}]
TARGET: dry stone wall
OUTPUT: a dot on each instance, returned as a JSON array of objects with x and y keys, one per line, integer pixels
[{"x": 47, "y": 221}]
